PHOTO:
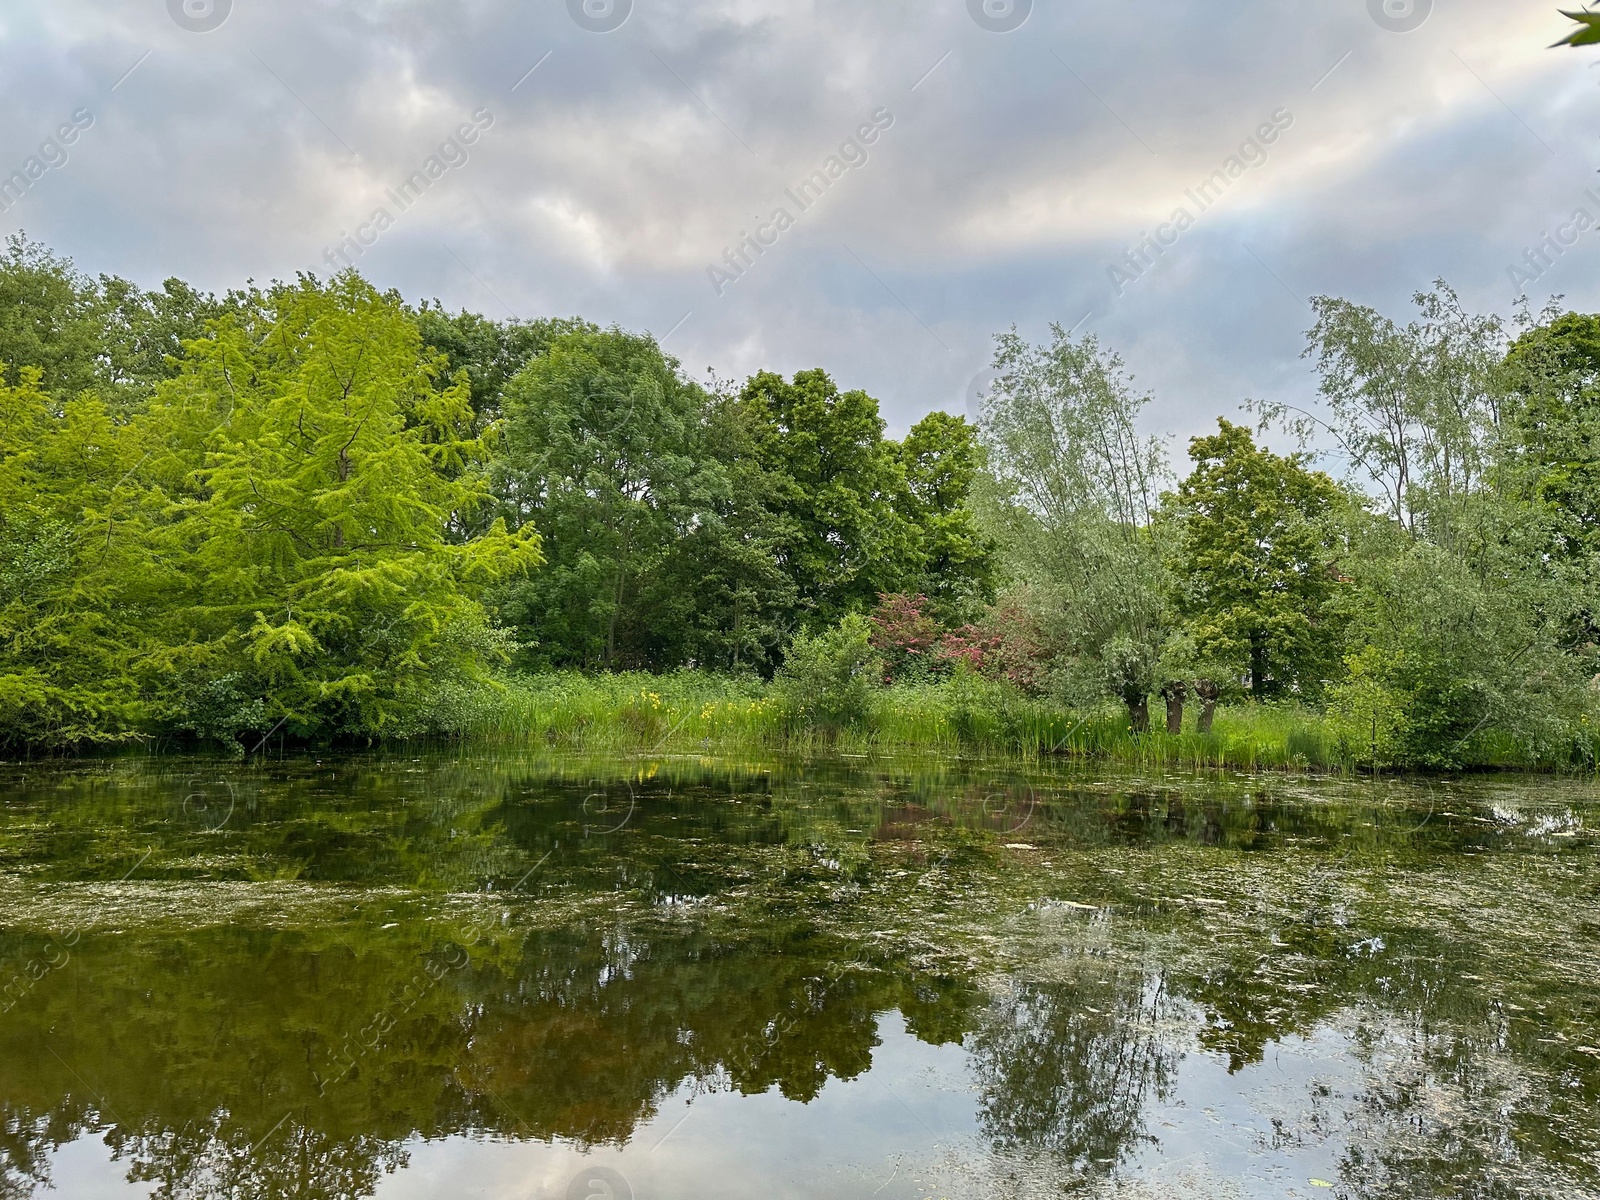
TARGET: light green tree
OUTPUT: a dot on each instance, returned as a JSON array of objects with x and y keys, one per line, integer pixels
[
  {"x": 75, "y": 571},
  {"x": 314, "y": 584}
]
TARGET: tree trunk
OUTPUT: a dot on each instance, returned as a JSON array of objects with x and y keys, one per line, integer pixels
[
  {"x": 1175, "y": 692},
  {"x": 1258, "y": 664},
  {"x": 1139, "y": 714},
  {"x": 1207, "y": 690},
  {"x": 616, "y": 605},
  {"x": 1138, "y": 706}
]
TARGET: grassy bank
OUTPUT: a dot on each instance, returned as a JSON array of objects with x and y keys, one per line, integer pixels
[{"x": 696, "y": 712}]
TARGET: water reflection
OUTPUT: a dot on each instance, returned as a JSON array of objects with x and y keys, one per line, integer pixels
[{"x": 357, "y": 962}]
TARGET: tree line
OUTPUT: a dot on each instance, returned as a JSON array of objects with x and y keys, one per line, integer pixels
[{"x": 313, "y": 508}]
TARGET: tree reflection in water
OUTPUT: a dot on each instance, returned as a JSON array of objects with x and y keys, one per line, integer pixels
[
  {"x": 746, "y": 931},
  {"x": 1068, "y": 1068}
]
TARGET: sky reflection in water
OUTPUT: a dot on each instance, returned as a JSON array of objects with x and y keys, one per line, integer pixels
[{"x": 490, "y": 975}]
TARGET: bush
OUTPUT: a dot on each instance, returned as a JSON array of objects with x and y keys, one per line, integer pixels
[
  {"x": 907, "y": 637},
  {"x": 1368, "y": 714},
  {"x": 828, "y": 681}
]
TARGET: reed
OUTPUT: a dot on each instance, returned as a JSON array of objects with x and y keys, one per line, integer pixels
[{"x": 697, "y": 712}]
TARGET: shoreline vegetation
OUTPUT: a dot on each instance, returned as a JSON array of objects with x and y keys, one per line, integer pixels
[
  {"x": 316, "y": 515},
  {"x": 696, "y": 712}
]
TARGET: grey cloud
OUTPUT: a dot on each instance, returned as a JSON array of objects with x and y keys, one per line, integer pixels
[{"x": 1021, "y": 166}]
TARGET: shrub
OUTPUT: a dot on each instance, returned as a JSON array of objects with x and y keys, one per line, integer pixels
[
  {"x": 907, "y": 637},
  {"x": 1370, "y": 717},
  {"x": 1006, "y": 644},
  {"x": 827, "y": 681}
]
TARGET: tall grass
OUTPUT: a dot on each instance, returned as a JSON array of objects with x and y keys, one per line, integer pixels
[
  {"x": 692, "y": 711},
  {"x": 695, "y": 712}
]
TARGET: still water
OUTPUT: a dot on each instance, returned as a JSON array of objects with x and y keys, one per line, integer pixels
[{"x": 516, "y": 976}]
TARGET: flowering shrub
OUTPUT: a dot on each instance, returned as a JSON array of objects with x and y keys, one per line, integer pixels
[
  {"x": 1005, "y": 644},
  {"x": 906, "y": 637}
]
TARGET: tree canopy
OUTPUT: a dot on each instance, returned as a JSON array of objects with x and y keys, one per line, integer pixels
[{"x": 317, "y": 511}]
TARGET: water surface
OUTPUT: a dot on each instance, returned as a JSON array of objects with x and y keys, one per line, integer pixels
[{"x": 506, "y": 975}]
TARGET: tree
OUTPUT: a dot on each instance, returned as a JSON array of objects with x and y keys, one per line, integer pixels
[
  {"x": 319, "y": 579},
  {"x": 721, "y": 598},
  {"x": 833, "y": 482},
  {"x": 1586, "y": 34},
  {"x": 941, "y": 458},
  {"x": 1462, "y": 618},
  {"x": 74, "y": 571},
  {"x": 1554, "y": 421},
  {"x": 1415, "y": 411},
  {"x": 1074, "y": 499},
  {"x": 605, "y": 454},
  {"x": 490, "y": 352},
  {"x": 83, "y": 334},
  {"x": 1444, "y": 662},
  {"x": 1254, "y": 564},
  {"x": 50, "y": 320}
]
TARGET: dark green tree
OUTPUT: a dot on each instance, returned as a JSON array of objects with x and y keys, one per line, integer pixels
[
  {"x": 50, "y": 319},
  {"x": 1255, "y": 563},
  {"x": 491, "y": 352},
  {"x": 833, "y": 484},
  {"x": 721, "y": 599},
  {"x": 605, "y": 454},
  {"x": 105, "y": 335},
  {"x": 1554, "y": 423},
  {"x": 941, "y": 458}
]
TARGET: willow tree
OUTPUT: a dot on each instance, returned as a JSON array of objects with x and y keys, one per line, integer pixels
[
  {"x": 1461, "y": 616},
  {"x": 1075, "y": 493}
]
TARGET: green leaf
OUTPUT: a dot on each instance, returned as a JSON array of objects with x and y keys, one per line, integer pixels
[{"x": 1588, "y": 31}]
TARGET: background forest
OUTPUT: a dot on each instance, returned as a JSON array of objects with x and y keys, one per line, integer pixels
[{"x": 313, "y": 513}]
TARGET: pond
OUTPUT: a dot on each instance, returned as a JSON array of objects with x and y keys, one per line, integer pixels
[{"x": 514, "y": 976}]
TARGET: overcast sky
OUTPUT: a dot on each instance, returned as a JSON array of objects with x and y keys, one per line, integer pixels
[{"x": 1017, "y": 157}]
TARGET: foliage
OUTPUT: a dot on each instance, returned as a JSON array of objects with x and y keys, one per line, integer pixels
[
  {"x": 941, "y": 457},
  {"x": 1465, "y": 625},
  {"x": 687, "y": 526},
  {"x": 264, "y": 545},
  {"x": 313, "y": 533},
  {"x": 1554, "y": 420},
  {"x": 604, "y": 456},
  {"x": 83, "y": 334},
  {"x": 833, "y": 484},
  {"x": 1414, "y": 410},
  {"x": 1452, "y": 657},
  {"x": 312, "y": 510},
  {"x": 1074, "y": 498},
  {"x": 71, "y": 573},
  {"x": 1586, "y": 34},
  {"x": 906, "y": 636},
  {"x": 828, "y": 678},
  {"x": 1255, "y": 564},
  {"x": 1005, "y": 643},
  {"x": 1368, "y": 712},
  {"x": 490, "y": 352}
]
